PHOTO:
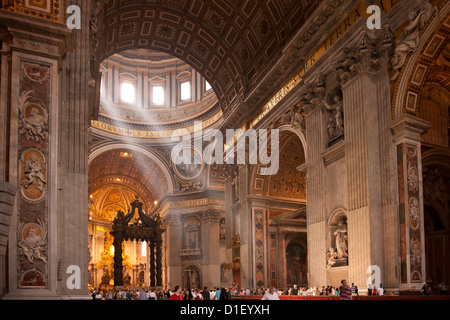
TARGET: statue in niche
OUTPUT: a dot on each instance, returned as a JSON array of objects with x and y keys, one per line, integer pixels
[
  {"x": 330, "y": 128},
  {"x": 331, "y": 258},
  {"x": 194, "y": 280},
  {"x": 33, "y": 173},
  {"x": 336, "y": 122},
  {"x": 408, "y": 41},
  {"x": 193, "y": 239},
  {"x": 341, "y": 240}
]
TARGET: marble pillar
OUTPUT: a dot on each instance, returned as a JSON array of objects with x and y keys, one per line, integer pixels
[
  {"x": 410, "y": 240},
  {"x": 364, "y": 76}
]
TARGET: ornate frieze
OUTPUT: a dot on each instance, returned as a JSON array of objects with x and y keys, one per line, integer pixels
[{"x": 33, "y": 147}]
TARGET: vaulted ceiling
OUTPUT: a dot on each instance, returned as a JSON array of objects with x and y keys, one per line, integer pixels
[
  {"x": 232, "y": 43},
  {"x": 130, "y": 169}
]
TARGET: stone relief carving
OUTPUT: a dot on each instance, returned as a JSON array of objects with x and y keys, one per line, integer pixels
[
  {"x": 33, "y": 118},
  {"x": 331, "y": 257},
  {"x": 32, "y": 241},
  {"x": 409, "y": 40},
  {"x": 335, "y": 126},
  {"x": 33, "y": 169},
  {"x": 413, "y": 178},
  {"x": 297, "y": 119}
]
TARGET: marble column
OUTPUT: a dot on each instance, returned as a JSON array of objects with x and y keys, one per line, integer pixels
[
  {"x": 173, "y": 259},
  {"x": 364, "y": 75},
  {"x": 315, "y": 197},
  {"x": 410, "y": 240},
  {"x": 33, "y": 54},
  {"x": 282, "y": 272},
  {"x": 210, "y": 250}
]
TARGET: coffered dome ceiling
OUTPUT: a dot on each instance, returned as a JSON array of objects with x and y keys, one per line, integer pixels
[{"x": 231, "y": 43}]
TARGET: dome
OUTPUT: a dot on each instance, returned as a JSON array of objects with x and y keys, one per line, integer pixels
[{"x": 153, "y": 93}]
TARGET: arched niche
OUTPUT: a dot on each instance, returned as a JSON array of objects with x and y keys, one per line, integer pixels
[
  {"x": 296, "y": 261},
  {"x": 337, "y": 239},
  {"x": 191, "y": 233},
  {"x": 192, "y": 276}
]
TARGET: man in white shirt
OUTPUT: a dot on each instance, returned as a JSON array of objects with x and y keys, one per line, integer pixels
[
  {"x": 271, "y": 295},
  {"x": 212, "y": 295}
]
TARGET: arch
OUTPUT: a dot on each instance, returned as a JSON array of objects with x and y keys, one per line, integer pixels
[
  {"x": 336, "y": 215},
  {"x": 167, "y": 27},
  {"x": 404, "y": 94},
  {"x": 294, "y": 188},
  {"x": 115, "y": 146},
  {"x": 296, "y": 261},
  {"x": 299, "y": 134}
]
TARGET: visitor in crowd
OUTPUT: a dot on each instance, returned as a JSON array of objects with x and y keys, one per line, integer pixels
[
  {"x": 271, "y": 295},
  {"x": 345, "y": 291},
  {"x": 177, "y": 295}
]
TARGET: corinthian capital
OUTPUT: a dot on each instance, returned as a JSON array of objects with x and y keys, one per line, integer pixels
[{"x": 371, "y": 53}]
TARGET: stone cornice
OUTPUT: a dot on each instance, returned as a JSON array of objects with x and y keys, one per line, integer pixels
[
  {"x": 409, "y": 127},
  {"x": 33, "y": 35}
]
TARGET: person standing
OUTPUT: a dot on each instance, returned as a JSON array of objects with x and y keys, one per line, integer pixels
[
  {"x": 425, "y": 290},
  {"x": 205, "y": 293},
  {"x": 212, "y": 295},
  {"x": 271, "y": 295},
  {"x": 353, "y": 289},
  {"x": 381, "y": 290},
  {"x": 176, "y": 294},
  {"x": 218, "y": 294},
  {"x": 294, "y": 291},
  {"x": 345, "y": 291}
]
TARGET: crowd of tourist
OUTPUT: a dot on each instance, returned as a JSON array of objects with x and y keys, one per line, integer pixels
[
  {"x": 226, "y": 293},
  {"x": 344, "y": 291}
]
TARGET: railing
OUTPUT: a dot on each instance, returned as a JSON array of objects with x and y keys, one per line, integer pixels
[{"x": 360, "y": 298}]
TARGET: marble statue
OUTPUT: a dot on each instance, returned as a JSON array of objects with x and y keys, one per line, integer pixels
[
  {"x": 341, "y": 240},
  {"x": 331, "y": 257},
  {"x": 409, "y": 40}
]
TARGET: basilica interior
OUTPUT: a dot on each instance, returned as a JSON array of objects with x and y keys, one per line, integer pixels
[{"x": 94, "y": 96}]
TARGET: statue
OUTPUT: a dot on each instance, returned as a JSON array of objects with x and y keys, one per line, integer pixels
[
  {"x": 235, "y": 184},
  {"x": 330, "y": 128},
  {"x": 336, "y": 122},
  {"x": 408, "y": 41},
  {"x": 341, "y": 239},
  {"x": 194, "y": 280},
  {"x": 297, "y": 120},
  {"x": 331, "y": 258}
]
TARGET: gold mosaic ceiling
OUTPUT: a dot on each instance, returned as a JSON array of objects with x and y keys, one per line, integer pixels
[{"x": 130, "y": 169}]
